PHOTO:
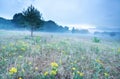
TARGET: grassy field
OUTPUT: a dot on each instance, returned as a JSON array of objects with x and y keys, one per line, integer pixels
[{"x": 58, "y": 56}]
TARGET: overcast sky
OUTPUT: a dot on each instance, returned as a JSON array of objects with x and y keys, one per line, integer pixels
[{"x": 78, "y": 13}]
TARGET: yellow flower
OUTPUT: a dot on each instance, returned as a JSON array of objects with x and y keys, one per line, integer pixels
[
  {"x": 54, "y": 64},
  {"x": 78, "y": 72},
  {"x": 106, "y": 74},
  {"x": 82, "y": 57},
  {"x": 119, "y": 50},
  {"x": 11, "y": 44},
  {"x": 23, "y": 70},
  {"x": 19, "y": 78},
  {"x": 60, "y": 61},
  {"x": 3, "y": 47},
  {"x": 81, "y": 74},
  {"x": 99, "y": 61},
  {"x": 20, "y": 56},
  {"x": 53, "y": 72},
  {"x": 23, "y": 49},
  {"x": 13, "y": 70},
  {"x": 75, "y": 61},
  {"x": 73, "y": 68},
  {"x": 46, "y": 73},
  {"x": 36, "y": 68},
  {"x": 30, "y": 63}
]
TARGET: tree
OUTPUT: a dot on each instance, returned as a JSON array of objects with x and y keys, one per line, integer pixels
[
  {"x": 73, "y": 30},
  {"x": 32, "y": 18},
  {"x": 18, "y": 19}
]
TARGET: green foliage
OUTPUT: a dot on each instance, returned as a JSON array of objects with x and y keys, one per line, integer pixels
[
  {"x": 32, "y": 18},
  {"x": 19, "y": 19},
  {"x": 96, "y": 40}
]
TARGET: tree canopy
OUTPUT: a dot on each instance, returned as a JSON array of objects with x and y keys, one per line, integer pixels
[{"x": 33, "y": 18}]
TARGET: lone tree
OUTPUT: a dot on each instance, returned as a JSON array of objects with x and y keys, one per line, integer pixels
[{"x": 33, "y": 18}]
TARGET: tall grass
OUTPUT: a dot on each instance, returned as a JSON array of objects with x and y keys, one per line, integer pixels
[{"x": 23, "y": 57}]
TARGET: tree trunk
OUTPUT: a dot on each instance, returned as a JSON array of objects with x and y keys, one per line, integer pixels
[{"x": 32, "y": 32}]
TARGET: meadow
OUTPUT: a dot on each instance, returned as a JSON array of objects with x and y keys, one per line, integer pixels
[{"x": 58, "y": 56}]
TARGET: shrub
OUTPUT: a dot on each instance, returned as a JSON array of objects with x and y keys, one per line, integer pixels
[{"x": 96, "y": 40}]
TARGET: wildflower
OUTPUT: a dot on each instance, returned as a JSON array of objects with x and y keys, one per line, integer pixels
[
  {"x": 10, "y": 54},
  {"x": 119, "y": 50},
  {"x": 3, "y": 47},
  {"x": 36, "y": 68},
  {"x": 46, "y": 73},
  {"x": 13, "y": 70},
  {"x": 99, "y": 61},
  {"x": 81, "y": 74},
  {"x": 5, "y": 59},
  {"x": 19, "y": 78},
  {"x": 23, "y": 49},
  {"x": 53, "y": 72},
  {"x": 75, "y": 61},
  {"x": 54, "y": 64},
  {"x": 78, "y": 72},
  {"x": 29, "y": 63},
  {"x": 11, "y": 44},
  {"x": 23, "y": 70},
  {"x": 106, "y": 74},
  {"x": 20, "y": 56},
  {"x": 82, "y": 57},
  {"x": 73, "y": 68}
]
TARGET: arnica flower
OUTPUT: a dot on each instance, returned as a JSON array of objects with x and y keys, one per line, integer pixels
[
  {"x": 29, "y": 63},
  {"x": 119, "y": 50},
  {"x": 60, "y": 61},
  {"x": 78, "y": 72},
  {"x": 73, "y": 68},
  {"x": 19, "y": 78},
  {"x": 3, "y": 47},
  {"x": 46, "y": 73},
  {"x": 36, "y": 68},
  {"x": 54, "y": 64},
  {"x": 20, "y": 56},
  {"x": 81, "y": 74},
  {"x": 106, "y": 74},
  {"x": 99, "y": 61},
  {"x": 75, "y": 61},
  {"x": 23, "y": 49},
  {"x": 82, "y": 57},
  {"x": 53, "y": 72},
  {"x": 11, "y": 44},
  {"x": 23, "y": 70},
  {"x": 13, "y": 70}
]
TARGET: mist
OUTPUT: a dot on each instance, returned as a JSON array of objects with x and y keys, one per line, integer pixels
[{"x": 99, "y": 17}]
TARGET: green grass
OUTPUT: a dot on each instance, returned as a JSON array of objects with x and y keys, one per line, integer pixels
[{"x": 78, "y": 57}]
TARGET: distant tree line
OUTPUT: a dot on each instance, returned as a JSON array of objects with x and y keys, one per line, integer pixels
[
  {"x": 82, "y": 31},
  {"x": 32, "y": 19},
  {"x": 107, "y": 33}
]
